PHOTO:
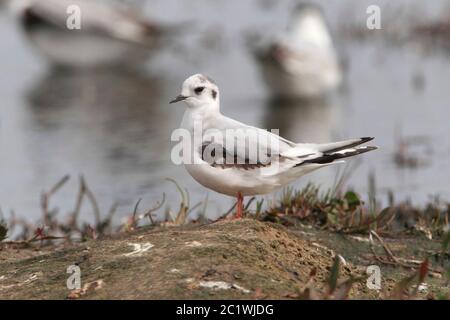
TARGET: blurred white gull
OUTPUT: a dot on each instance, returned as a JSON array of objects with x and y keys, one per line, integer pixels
[
  {"x": 302, "y": 62},
  {"x": 110, "y": 34},
  {"x": 239, "y": 160}
]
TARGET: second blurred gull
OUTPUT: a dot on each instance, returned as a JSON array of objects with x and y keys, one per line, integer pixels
[
  {"x": 109, "y": 34},
  {"x": 301, "y": 62}
]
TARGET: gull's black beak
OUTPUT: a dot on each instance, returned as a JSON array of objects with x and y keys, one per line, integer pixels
[{"x": 178, "y": 99}]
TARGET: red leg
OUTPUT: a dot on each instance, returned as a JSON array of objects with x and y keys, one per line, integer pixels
[{"x": 239, "y": 206}]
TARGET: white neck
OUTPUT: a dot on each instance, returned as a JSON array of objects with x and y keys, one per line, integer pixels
[
  {"x": 199, "y": 112},
  {"x": 205, "y": 108}
]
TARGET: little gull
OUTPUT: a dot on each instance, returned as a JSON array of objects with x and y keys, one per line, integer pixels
[
  {"x": 239, "y": 160},
  {"x": 302, "y": 61}
]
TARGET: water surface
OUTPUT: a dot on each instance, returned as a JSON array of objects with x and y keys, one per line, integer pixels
[{"x": 114, "y": 127}]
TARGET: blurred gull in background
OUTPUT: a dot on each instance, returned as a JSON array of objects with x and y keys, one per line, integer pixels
[
  {"x": 301, "y": 62},
  {"x": 110, "y": 34}
]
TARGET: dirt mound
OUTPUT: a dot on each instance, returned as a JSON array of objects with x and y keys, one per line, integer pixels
[{"x": 240, "y": 259}]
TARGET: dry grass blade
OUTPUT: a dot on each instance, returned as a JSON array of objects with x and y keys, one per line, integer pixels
[
  {"x": 78, "y": 203},
  {"x": 135, "y": 211},
  {"x": 112, "y": 211},
  {"x": 342, "y": 178},
  {"x": 400, "y": 289},
  {"x": 58, "y": 185},
  {"x": 395, "y": 261},
  {"x": 249, "y": 203},
  {"x": 45, "y": 198},
  {"x": 423, "y": 270},
  {"x": 229, "y": 211},
  {"x": 202, "y": 213},
  {"x": 3, "y": 231},
  {"x": 93, "y": 201},
  {"x": 386, "y": 248},
  {"x": 184, "y": 206},
  {"x": 343, "y": 290},
  {"x": 446, "y": 242},
  {"x": 195, "y": 206},
  {"x": 155, "y": 208},
  {"x": 334, "y": 275}
]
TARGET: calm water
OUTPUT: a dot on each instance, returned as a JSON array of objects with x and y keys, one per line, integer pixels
[{"x": 114, "y": 128}]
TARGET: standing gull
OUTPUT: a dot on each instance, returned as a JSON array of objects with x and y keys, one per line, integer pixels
[{"x": 239, "y": 160}]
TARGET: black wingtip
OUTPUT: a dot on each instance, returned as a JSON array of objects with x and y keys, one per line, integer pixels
[{"x": 367, "y": 139}]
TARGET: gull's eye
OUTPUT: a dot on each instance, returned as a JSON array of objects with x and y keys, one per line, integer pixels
[{"x": 199, "y": 90}]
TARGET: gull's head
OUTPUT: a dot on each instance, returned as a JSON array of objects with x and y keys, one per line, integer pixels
[
  {"x": 198, "y": 91},
  {"x": 308, "y": 24}
]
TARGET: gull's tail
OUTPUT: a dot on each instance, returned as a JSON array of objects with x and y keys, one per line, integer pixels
[
  {"x": 345, "y": 153},
  {"x": 338, "y": 150},
  {"x": 341, "y": 145}
]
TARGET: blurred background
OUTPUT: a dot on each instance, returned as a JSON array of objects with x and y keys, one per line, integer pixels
[{"x": 114, "y": 125}]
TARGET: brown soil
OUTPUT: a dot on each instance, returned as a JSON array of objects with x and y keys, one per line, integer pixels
[{"x": 252, "y": 259}]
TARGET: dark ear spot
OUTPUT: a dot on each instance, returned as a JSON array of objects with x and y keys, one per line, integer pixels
[{"x": 214, "y": 94}]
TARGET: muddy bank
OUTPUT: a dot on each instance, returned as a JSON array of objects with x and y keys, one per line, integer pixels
[{"x": 238, "y": 259}]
